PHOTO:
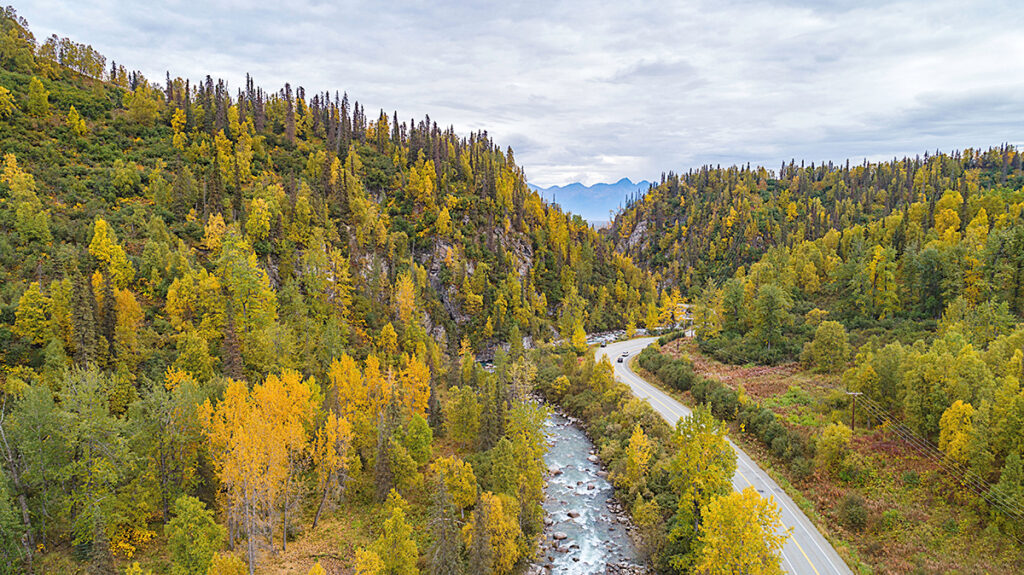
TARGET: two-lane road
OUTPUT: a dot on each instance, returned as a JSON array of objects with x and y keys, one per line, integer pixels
[{"x": 806, "y": 552}]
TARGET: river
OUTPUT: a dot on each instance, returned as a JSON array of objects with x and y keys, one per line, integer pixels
[{"x": 585, "y": 534}]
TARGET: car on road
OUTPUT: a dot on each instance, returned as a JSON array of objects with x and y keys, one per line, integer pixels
[
  {"x": 620, "y": 360},
  {"x": 604, "y": 344},
  {"x": 625, "y": 354}
]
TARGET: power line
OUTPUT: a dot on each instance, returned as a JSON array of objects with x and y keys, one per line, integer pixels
[{"x": 1001, "y": 501}]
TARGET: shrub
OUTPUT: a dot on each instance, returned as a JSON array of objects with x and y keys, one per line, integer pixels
[
  {"x": 890, "y": 520},
  {"x": 724, "y": 403},
  {"x": 801, "y": 468},
  {"x": 834, "y": 445},
  {"x": 852, "y": 512}
]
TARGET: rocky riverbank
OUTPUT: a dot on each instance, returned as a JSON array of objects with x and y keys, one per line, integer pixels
[{"x": 587, "y": 531}]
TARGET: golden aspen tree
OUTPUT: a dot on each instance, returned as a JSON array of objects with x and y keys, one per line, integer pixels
[
  {"x": 237, "y": 437},
  {"x": 76, "y": 123},
  {"x": 129, "y": 320},
  {"x": 104, "y": 247},
  {"x": 195, "y": 301},
  {"x": 255, "y": 439},
  {"x": 638, "y": 456},
  {"x": 443, "y": 224},
  {"x": 955, "y": 429},
  {"x": 331, "y": 458},
  {"x": 493, "y": 523},
  {"x": 351, "y": 394},
  {"x": 368, "y": 562},
  {"x": 179, "y": 140},
  {"x": 387, "y": 342},
  {"x": 414, "y": 386},
  {"x": 458, "y": 478},
  {"x": 214, "y": 232},
  {"x": 288, "y": 404},
  {"x": 257, "y": 225},
  {"x": 741, "y": 534},
  {"x": 7, "y": 105},
  {"x": 378, "y": 388},
  {"x": 405, "y": 297}
]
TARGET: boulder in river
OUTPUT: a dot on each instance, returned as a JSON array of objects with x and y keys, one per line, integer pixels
[
  {"x": 573, "y": 514},
  {"x": 559, "y": 536}
]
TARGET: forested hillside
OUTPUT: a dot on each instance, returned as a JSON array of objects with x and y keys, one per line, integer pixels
[
  {"x": 225, "y": 313},
  {"x": 902, "y": 280}
]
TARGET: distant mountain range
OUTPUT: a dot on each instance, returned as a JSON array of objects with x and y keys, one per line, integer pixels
[{"x": 592, "y": 202}]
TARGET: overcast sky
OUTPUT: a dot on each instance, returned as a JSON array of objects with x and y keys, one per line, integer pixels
[{"x": 592, "y": 93}]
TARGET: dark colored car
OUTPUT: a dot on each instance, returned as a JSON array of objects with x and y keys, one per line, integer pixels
[{"x": 619, "y": 360}]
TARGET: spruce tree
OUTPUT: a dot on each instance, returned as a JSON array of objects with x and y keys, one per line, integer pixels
[
  {"x": 445, "y": 558},
  {"x": 108, "y": 315},
  {"x": 84, "y": 320},
  {"x": 480, "y": 552}
]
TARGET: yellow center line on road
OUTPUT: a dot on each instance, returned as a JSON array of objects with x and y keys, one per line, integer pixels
[
  {"x": 793, "y": 539},
  {"x": 652, "y": 394}
]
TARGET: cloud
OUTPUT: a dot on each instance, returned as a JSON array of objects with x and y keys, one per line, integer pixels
[{"x": 598, "y": 91}]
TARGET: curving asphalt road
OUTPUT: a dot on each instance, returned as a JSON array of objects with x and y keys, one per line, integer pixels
[{"x": 806, "y": 552}]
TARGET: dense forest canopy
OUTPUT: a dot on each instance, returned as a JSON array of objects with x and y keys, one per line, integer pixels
[
  {"x": 231, "y": 315},
  {"x": 224, "y": 313},
  {"x": 904, "y": 277}
]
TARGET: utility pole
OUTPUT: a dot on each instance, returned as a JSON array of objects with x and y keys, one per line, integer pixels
[{"x": 853, "y": 408}]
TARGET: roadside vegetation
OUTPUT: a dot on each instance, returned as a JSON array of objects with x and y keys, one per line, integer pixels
[
  {"x": 900, "y": 510},
  {"x": 676, "y": 483}
]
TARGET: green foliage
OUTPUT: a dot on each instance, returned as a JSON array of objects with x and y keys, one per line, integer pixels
[
  {"x": 193, "y": 536},
  {"x": 852, "y": 512},
  {"x": 38, "y": 103},
  {"x": 830, "y": 348},
  {"x": 417, "y": 440},
  {"x": 396, "y": 546},
  {"x": 462, "y": 420},
  {"x": 143, "y": 105},
  {"x": 11, "y": 530}
]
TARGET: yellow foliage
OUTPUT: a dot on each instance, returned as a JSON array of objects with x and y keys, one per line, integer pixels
[
  {"x": 368, "y": 563},
  {"x": 955, "y": 429},
  {"x": 105, "y": 248},
  {"x": 741, "y": 534},
  {"x": 638, "y": 456},
  {"x": 458, "y": 478},
  {"x": 414, "y": 385},
  {"x": 226, "y": 564},
  {"x": 214, "y": 236},
  {"x": 503, "y": 530},
  {"x": 127, "y": 539},
  {"x": 405, "y": 297}
]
